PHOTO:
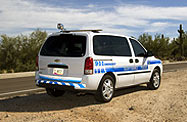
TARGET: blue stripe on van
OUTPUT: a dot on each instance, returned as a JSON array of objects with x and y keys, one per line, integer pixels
[
  {"x": 58, "y": 79},
  {"x": 63, "y": 83},
  {"x": 81, "y": 86},
  {"x": 154, "y": 62},
  {"x": 122, "y": 69},
  {"x": 71, "y": 84}
]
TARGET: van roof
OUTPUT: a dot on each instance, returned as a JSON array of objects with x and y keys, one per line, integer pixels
[
  {"x": 94, "y": 31},
  {"x": 90, "y": 32}
]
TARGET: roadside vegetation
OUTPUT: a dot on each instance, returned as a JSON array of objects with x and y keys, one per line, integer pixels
[
  {"x": 164, "y": 47},
  {"x": 18, "y": 54}
]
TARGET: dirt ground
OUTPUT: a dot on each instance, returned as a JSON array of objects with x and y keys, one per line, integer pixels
[{"x": 136, "y": 104}]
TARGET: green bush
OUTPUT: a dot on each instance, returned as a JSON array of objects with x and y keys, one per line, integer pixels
[
  {"x": 18, "y": 54},
  {"x": 164, "y": 48}
]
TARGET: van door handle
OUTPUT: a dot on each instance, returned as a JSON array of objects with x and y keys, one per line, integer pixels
[
  {"x": 136, "y": 61},
  {"x": 131, "y": 61}
]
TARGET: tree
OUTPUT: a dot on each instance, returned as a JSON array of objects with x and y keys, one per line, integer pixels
[
  {"x": 159, "y": 46},
  {"x": 30, "y": 49},
  {"x": 146, "y": 40},
  {"x": 19, "y": 53},
  {"x": 9, "y": 52},
  {"x": 185, "y": 44}
]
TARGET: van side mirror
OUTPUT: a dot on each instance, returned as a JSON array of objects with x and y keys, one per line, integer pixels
[{"x": 148, "y": 54}]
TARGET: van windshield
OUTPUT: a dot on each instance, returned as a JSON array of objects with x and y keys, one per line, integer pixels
[{"x": 67, "y": 45}]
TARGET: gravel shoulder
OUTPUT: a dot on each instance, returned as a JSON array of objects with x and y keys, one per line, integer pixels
[{"x": 135, "y": 104}]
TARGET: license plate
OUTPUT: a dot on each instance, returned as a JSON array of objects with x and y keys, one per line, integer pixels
[{"x": 57, "y": 71}]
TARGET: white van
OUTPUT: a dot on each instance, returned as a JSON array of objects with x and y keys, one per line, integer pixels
[{"x": 93, "y": 61}]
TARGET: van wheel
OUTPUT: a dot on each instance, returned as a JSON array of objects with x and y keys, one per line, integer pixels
[
  {"x": 54, "y": 92},
  {"x": 105, "y": 90},
  {"x": 154, "y": 82}
]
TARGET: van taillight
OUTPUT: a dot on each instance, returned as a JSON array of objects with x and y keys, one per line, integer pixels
[
  {"x": 88, "y": 68},
  {"x": 37, "y": 58}
]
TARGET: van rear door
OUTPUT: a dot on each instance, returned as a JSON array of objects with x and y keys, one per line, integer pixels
[{"x": 63, "y": 55}]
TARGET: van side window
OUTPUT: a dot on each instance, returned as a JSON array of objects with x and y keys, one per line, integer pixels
[
  {"x": 138, "y": 49},
  {"x": 111, "y": 46}
]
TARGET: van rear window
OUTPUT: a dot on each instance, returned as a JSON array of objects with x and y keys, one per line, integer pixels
[{"x": 67, "y": 45}]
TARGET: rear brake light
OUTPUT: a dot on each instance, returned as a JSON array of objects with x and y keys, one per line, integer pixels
[
  {"x": 37, "y": 58},
  {"x": 88, "y": 68}
]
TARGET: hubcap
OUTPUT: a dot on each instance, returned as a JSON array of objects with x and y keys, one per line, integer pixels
[
  {"x": 107, "y": 89},
  {"x": 156, "y": 79}
]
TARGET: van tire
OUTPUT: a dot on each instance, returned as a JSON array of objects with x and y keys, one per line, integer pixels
[
  {"x": 105, "y": 90},
  {"x": 155, "y": 80},
  {"x": 54, "y": 92}
]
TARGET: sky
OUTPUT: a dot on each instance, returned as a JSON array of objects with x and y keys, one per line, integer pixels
[{"x": 127, "y": 17}]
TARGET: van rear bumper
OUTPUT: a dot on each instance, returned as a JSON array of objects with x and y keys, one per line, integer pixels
[
  {"x": 65, "y": 87},
  {"x": 54, "y": 86},
  {"x": 87, "y": 82},
  {"x": 57, "y": 83}
]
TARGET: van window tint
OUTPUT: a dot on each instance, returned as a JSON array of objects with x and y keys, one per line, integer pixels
[
  {"x": 138, "y": 49},
  {"x": 64, "y": 45},
  {"x": 111, "y": 46}
]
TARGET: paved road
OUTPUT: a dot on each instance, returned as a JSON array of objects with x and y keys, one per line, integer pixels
[
  {"x": 25, "y": 83},
  {"x": 175, "y": 67},
  {"x": 17, "y": 84}
]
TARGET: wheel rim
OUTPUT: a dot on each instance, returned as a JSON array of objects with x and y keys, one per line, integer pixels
[
  {"x": 107, "y": 89},
  {"x": 156, "y": 79}
]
